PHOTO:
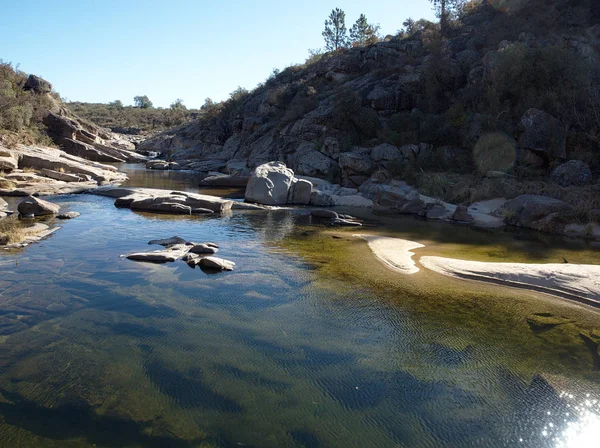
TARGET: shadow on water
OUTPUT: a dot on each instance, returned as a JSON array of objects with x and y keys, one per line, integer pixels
[
  {"x": 188, "y": 392},
  {"x": 80, "y": 421}
]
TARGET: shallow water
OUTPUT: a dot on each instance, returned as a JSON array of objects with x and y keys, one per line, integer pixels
[{"x": 308, "y": 343}]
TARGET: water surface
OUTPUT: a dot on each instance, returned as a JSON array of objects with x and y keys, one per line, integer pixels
[{"x": 308, "y": 343}]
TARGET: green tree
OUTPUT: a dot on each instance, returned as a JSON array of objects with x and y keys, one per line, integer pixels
[
  {"x": 117, "y": 104},
  {"x": 142, "y": 101},
  {"x": 335, "y": 33},
  {"x": 178, "y": 105},
  {"x": 208, "y": 104},
  {"x": 363, "y": 33},
  {"x": 444, "y": 10}
]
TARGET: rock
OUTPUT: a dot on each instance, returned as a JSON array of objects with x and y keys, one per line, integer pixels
[
  {"x": 543, "y": 134},
  {"x": 160, "y": 205},
  {"x": 217, "y": 264},
  {"x": 438, "y": 211},
  {"x": 203, "y": 249},
  {"x": 88, "y": 151},
  {"x": 576, "y": 230},
  {"x": 57, "y": 175},
  {"x": 573, "y": 172},
  {"x": 8, "y": 160},
  {"x": 310, "y": 162},
  {"x": 69, "y": 215},
  {"x": 172, "y": 253},
  {"x": 168, "y": 241},
  {"x": 38, "y": 85},
  {"x": 225, "y": 180},
  {"x": 37, "y": 207},
  {"x": 461, "y": 214},
  {"x": 270, "y": 184},
  {"x": 157, "y": 165},
  {"x": 201, "y": 211},
  {"x": 356, "y": 162},
  {"x": 327, "y": 214},
  {"x": 344, "y": 223},
  {"x": 301, "y": 190},
  {"x": 526, "y": 209},
  {"x": 385, "y": 152},
  {"x": 3, "y": 204}
]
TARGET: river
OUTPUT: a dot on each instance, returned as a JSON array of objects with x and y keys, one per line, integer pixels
[{"x": 309, "y": 342}]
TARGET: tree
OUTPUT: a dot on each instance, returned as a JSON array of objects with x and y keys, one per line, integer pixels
[
  {"x": 117, "y": 104},
  {"x": 363, "y": 33},
  {"x": 208, "y": 104},
  {"x": 178, "y": 105},
  {"x": 444, "y": 9},
  {"x": 410, "y": 26},
  {"x": 143, "y": 102},
  {"x": 335, "y": 33}
]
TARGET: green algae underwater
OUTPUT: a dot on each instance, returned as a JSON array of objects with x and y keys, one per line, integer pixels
[{"x": 310, "y": 342}]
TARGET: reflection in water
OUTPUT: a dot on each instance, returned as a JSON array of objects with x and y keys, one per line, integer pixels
[{"x": 283, "y": 351}]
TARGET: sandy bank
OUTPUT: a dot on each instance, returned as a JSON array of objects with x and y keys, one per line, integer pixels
[
  {"x": 579, "y": 282},
  {"x": 393, "y": 252}
]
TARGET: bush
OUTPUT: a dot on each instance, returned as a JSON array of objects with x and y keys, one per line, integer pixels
[
  {"x": 359, "y": 124},
  {"x": 494, "y": 152}
]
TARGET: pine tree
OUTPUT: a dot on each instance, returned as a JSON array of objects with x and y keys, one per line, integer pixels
[
  {"x": 363, "y": 33},
  {"x": 444, "y": 9},
  {"x": 336, "y": 33}
]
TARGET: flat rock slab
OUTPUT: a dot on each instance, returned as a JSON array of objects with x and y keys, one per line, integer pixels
[
  {"x": 218, "y": 264},
  {"x": 172, "y": 253},
  {"x": 168, "y": 241},
  {"x": 155, "y": 200},
  {"x": 395, "y": 253},
  {"x": 574, "y": 281}
]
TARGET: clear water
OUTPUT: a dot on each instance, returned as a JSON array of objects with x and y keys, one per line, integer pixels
[{"x": 308, "y": 343}]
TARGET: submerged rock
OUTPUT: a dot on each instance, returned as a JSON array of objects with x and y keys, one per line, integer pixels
[
  {"x": 69, "y": 215},
  {"x": 168, "y": 241},
  {"x": 322, "y": 213}
]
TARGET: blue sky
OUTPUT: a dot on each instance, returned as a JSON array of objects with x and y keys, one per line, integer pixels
[{"x": 100, "y": 51}]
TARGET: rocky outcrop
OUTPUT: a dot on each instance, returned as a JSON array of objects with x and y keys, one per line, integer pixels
[
  {"x": 38, "y": 85},
  {"x": 47, "y": 171}
]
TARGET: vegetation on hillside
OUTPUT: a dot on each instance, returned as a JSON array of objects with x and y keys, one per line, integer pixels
[
  {"x": 139, "y": 119},
  {"x": 21, "y": 110}
]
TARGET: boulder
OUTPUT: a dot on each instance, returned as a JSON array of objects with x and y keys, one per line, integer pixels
[
  {"x": 8, "y": 160},
  {"x": 157, "y": 165},
  {"x": 160, "y": 205},
  {"x": 461, "y": 214},
  {"x": 344, "y": 223},
  {"x": 37, "y": 207},
  {"x": 38, "y": 85},
  {"x": 270, "y": 184},
  {"x": 385, "y": 152},
  {"x": 203, "y": 249},
  {"x": 526, "y": 209},
  {"x": 215, "y": 263},
  {"x": 573, "y": 172},
  {"x": 301, "y": 190},
  {"x": 356, "y": 162},
  {"x": 543, "y": 134}
]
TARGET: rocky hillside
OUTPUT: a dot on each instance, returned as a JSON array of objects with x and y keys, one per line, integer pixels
[
  {"x": 491, "y": 109},
  {"x": 32, "y": 114}
]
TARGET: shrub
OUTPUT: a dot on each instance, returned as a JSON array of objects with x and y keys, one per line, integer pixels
[
  {"x": 494, "y": 152},
  {"x": 11, "y": 230}
]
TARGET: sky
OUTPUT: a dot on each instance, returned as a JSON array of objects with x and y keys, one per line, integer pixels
[{"x": 106, "y": 50}]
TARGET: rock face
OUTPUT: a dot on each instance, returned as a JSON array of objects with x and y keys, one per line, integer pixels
[
  {"x": 527, "y": 209},
  {"x": 574, "y": 172},
  {"x": 37, "y": 207},
  {"x": 270, "y": 184},
  {"x": 38, "y": 85},
  {"x": 542, "y": 134}
]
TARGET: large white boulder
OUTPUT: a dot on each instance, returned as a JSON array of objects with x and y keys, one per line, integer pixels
[{"x": 270, "y": 184}]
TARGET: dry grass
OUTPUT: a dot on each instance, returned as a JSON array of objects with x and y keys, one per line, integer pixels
[
  {"x": 11, "y": 230},
  {"x": 6, "y": 184},
  {"x": 29, "y": 169}
]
